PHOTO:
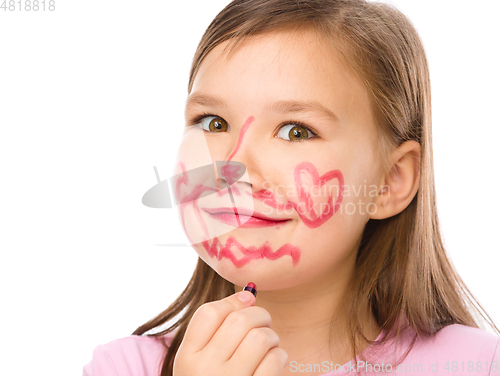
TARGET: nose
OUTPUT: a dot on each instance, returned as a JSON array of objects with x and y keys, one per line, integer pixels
[
  {"x": 230, "y": 172},
  {"x": 233, "y": 170},
  {"x": 246, "y": 153},
  {"x": 243, "y": 131}
]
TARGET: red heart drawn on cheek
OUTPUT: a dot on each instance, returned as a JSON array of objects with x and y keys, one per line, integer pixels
[{"x": 316, "y": 209}]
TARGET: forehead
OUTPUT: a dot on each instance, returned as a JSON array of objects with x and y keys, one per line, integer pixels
[{"x": 283, "y": 65}]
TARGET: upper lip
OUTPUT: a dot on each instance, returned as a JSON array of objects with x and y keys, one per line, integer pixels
[{"x": 243, "y": 211}]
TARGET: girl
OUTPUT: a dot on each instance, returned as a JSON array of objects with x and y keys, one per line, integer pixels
[{"x": 314, "y": 117}]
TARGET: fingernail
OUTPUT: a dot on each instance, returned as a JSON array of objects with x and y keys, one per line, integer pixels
[{"x": 245, "y": 297}]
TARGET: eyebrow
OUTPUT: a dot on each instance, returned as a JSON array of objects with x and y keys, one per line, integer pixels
[
  {"x": 284, "y": 106},
  {"x": 205, "y": 100},
  {"x": 293, "y": 107}
]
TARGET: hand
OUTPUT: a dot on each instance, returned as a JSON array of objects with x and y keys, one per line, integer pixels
[{"x": 230, "y": 337}]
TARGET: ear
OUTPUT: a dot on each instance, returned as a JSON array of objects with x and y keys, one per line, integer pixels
[{"x": 400, "y": 184}]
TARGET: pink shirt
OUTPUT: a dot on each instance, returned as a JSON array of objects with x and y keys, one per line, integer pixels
[{"x": 454, "y": 350}]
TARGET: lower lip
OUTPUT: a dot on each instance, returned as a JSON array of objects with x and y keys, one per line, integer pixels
[{"x": 245, "y": 221}]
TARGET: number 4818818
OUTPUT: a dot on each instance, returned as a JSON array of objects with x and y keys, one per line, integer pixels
[{"x": 28, "y": 5}]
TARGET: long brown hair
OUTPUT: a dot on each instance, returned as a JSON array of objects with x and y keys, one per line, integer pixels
[{"x": 401, "y": 268}]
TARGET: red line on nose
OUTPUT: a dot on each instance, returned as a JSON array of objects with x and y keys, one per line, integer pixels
[{"x": 244, "y": 128}]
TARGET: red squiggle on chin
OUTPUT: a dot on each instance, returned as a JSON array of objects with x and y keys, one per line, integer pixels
[{"x": 251, "y": 253}]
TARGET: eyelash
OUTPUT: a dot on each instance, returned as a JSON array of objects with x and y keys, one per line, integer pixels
[{"x": 197, "y": 119}]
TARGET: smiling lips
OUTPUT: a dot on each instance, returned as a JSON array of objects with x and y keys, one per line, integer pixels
[{"x": 243, "y": 218}]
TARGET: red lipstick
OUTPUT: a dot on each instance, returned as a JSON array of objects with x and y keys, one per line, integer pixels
[{"x": 252, "y": 288}]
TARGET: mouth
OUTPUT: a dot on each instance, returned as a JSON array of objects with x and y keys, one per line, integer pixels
[{"x": 243, "y": 218}]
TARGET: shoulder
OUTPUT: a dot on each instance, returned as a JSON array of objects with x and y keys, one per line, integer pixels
[
  {"x": 465, "y": 341},
  {"x": 460, "y": 348},
  {"x": 461, "y": 336},
  {"x": 132, "y": 355}
]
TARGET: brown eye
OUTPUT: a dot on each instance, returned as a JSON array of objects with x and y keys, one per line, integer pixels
[
  {"x": 297, "y": 133},
  {"x": 294, "y": 132},
  {"x": 214, "y": 124},
  {"x": 218, "y": 125}
]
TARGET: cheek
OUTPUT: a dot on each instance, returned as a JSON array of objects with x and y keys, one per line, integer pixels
[
  {"x": 360, "y": 190},
  {"x": 318, "y": 197},
  {"x": 333, "y": 204},
  {"x": 360, "y": 165}
]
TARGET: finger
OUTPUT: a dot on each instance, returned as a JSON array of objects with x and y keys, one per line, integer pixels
[
  {"x": 254, "y": 347},
  {"x": 209, "y": 317},
  {"x": 234, "y": 330},
  {"x": 273, "y": 363}
]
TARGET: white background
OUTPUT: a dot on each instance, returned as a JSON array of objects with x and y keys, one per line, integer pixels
[{"x": 91, "y": 98}]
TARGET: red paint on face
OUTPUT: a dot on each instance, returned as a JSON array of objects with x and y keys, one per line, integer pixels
[
  {"x": 224, "y": 192},
  {"x": 244, "y": 129},
  {"x": 268, "y": 198},
  {"x": 311, "y": 217},
  {"x": 230, "y": 172},
  {"x": 251, "y": 253},
  {"x": 216, "y": 249},
  {"x": 190, "y": 197}
]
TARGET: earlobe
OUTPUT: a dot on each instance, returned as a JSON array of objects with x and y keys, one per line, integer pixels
[{"x": 399, "y": 185}]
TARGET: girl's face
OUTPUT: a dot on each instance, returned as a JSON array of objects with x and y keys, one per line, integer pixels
[{"x": 284, "y": 106}]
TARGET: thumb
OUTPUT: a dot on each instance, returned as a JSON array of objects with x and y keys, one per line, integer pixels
[
  {"x": 245, "y": 297},
  {"x": 209, "y": 317}
]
